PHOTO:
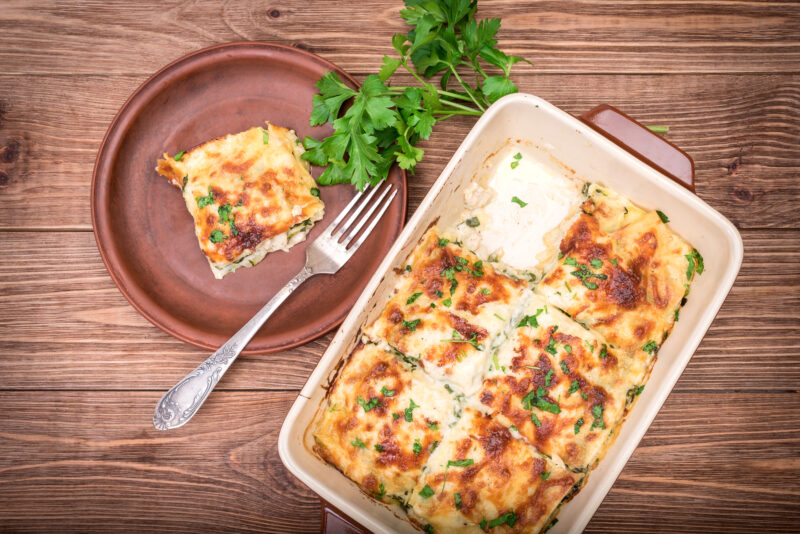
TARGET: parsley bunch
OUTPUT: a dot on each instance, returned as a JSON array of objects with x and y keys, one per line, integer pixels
[{"x": 384, "y": 123}]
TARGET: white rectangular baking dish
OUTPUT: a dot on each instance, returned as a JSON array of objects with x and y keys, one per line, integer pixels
[{"x": 594, "y": 158}]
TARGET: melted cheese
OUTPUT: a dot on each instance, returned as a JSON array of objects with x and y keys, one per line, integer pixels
[
  {"x": 248, "y": 197},
  {"x": 562, "y": 386},
  {"x": 380, "y": 423},
  {"x": 447, "y": 312},
  {"x": 633, "y": 290},
  {"x": 481, "y": 476}
]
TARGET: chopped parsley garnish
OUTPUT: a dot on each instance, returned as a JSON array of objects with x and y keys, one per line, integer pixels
[
  {"x": 614, "y": 261},
  {"x": 512, "y": 427},
  {"x": 314, "y": 192},
  {"x": 677, "y": 313},
  {"x": 447, "y": 302},
  {"x": 439, "y": 293},
  {"x": 457, "y": 500},
  {"x": 518, "y": 156},
  {"x": 545, "y": 476},
  {"x": 596, "y": 263},
  {"x": 564, "y": 367},
  {"x": 443, "y": 242},
  {"x": 395, "y": 416},
  {"x": 411, "y": 325},
  {"x": 662, "y": 216},
  {"x": 381, "y": 491},
  {"x": 433, "y": 426},
  {"x": 650, "y": 347},
  {"x": 387, "y": 392},
  {"x": 695, "y": 264},
  {"x": 417, "y": 448},
  {"x": 530, "y": 320},
  {"x": 358, "y": 443},
  {"x": 506, "y": 519},
  {"x": 461, "y": 261},
  {"x": 179, "y": 155},
  {"x": 457, "y": 338},
  {"x": 413, "y": 297},
  {"x": 584, "y": 396},
  {"x": 573, "y": 387},
  {"x": 568, "y": 348},
  {"x": 408, "y": 268},
  {"x": 409, "y": 412},
  {"x": 639, "y": 390},
  {"x": 548, "y": 377},
  {"x": 572, "y": 262},
  {"x": 428, "y": 528},
  {"x": 514, "y": 164},
  {"x": 225, "y": 213},
  {"x": 202, "y": 202},
  {"x": 578, "y": 425},
  {"x": 265, "y": 136},
  {"x": 378, "y": 447},
  {"x": 551, "y": 346},
  {"x": 535, "y": 420},
  {"x": 373, "y": 402},
  {"x": 185, "y": 181},
  {"x": 450, "y": 274},
  {"x": 597, "y": 413},
  {"x": 536, "y": 398},
  {"x": 603, "y": 351},
  {"x": 472, "y": 222},
  {"x": 583, "y": 273},
  {"x": 433, "y": 446},
  {"x": 485, "y": 291},
  {"x": 426, "y": 492},
  {"x": 460, "y": 463},
  {"x": 217, "y": 236},
  {"x": 516, "y": 200}
]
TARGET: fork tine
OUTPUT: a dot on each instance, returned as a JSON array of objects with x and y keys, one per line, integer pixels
[
  {"x": 372, "y": 224},
  {"x": 346, "y": 225},
  {"x": 352, "y": 233},
  {"x": 342, "y": 214}
]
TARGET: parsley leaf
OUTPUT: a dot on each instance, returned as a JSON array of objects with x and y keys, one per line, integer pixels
[
  {"x": 409, "y": 412},
  {"x": 662, "y": 216},
  {"x": 217, "y": 236},
  {"x": 426, "y": 492},
  {"x": 457, "y": 500},
  {"x": 516, "y": 200},
  {"x": 373, "y": 402},
  {"x": 417, "y": 448},
  {"x": 413, "y": 297},
  {"x": 530, "y": 320},
  {"x": 411, "y": 325},
  {"x": 650, "y": 347},
  {"x": 179, "y": 155},
  {"x": 202, "y": 202},
  {"x": 460, "y": 463},
  {"x": 509, "y": 518},
  {"x": 387, "y": 392},
  {"x": 358, "y": 443}
]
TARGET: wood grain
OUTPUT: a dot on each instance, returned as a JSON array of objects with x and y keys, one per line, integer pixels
[
  {"x": 85, "y": 459},
  {"x": 640, "y": 37},
  {"x": 71, "y": 328},
  {"x": 741, "y": 130},
  {"x": 80, "y": 370}
]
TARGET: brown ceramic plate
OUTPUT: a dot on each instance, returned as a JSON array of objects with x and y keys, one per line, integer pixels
[{"x": 146, "y": 235}]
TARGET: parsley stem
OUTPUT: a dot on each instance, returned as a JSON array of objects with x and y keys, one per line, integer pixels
[
  {"x": 454, "y": 95},
  {"x": 411, "y": 71},
  {"x": 450, "y": 112},
  {"x": 465, "y": 86},
  {"x": 455, "y": 105}
]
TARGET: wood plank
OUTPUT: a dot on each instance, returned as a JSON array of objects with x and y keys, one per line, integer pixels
[
  {"x": 741, "y": 131},
  {"x": 90, "y": 462},
  {"x": 65, "y": 326},
  {"x": 664, "y": 36}
]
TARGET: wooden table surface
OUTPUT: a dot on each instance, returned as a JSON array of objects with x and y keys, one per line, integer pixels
[{"x": 80, "y": 369}]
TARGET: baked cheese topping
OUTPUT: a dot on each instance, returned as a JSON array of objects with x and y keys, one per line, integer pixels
[
  {"x": 483, "y": 478},
  {"x": 526, "y": 398},
  {"x": 628, "y": 284},
  {"x": 381, "y": 421},
  {"x": 249, "y": 193},
  {"x": 562, "y": 386},
  {"x": 447, "y": 312}
]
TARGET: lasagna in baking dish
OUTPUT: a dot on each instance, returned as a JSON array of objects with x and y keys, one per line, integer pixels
[
  {"x": 249, "y": 193},
  {"x": 495, "y": 379}
]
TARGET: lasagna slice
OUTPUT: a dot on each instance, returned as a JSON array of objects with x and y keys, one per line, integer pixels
[
  {"x": 563, "y": 387},
  {"x": 249, "y": 193},
  {"x": 448, "y": 309},
  {"x": 380, "y": 422},
  {"x": 623, "y": 273},
  {"x": 483, "y": 478}
]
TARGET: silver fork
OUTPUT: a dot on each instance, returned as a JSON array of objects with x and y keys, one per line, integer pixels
[{"x": 325, "y": 255}]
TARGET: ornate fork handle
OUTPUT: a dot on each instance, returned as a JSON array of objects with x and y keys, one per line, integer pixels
[{"x": 180, "y": 403}]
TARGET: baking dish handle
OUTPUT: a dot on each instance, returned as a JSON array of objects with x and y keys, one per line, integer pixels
[
  {"x": 335, "y": 522},
  {"x": 637, "y": 139}
]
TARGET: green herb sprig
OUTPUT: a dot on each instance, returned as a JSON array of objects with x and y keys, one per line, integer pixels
[{"x": 384, "y": 123}]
